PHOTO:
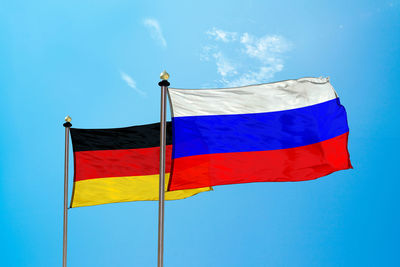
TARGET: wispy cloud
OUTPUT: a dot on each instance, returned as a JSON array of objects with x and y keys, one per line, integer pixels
[
  {"x": 264, "y": 48},
  {"x": 254, "y": 77},
  {"x": 242, "y": 58},
  {"x": 224, "y": 66},
  {"x": 221, "y": 35},
  {"x": 131, "y": 83},
  {"x": 155, "y": 31}
]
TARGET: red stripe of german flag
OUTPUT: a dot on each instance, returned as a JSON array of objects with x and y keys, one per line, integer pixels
[{"x": 118, "y": 163}]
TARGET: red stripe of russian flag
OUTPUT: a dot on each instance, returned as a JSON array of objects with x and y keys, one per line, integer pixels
[{"x": 283, "y": 165}]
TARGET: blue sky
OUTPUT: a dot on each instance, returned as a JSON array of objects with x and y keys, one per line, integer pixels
[{"x": 99, "y": 62}]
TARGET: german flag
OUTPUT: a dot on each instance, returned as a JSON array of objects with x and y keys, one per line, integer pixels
[{"x": 121, "y": 164}]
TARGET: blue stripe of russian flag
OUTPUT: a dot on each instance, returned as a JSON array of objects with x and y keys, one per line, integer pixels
[{"x": 211, "y": 134}]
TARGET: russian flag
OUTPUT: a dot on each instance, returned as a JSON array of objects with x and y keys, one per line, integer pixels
[{"x": 293, "y": 130}]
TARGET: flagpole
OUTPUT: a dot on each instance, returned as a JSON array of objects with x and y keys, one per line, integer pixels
[
  {"x": 164, "y": 85},
  {"x": 67, "y": 125}
]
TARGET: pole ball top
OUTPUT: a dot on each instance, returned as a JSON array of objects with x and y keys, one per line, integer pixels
[
  {"x": 164, "y": 75},
  {"x": 68, "y": 119}
]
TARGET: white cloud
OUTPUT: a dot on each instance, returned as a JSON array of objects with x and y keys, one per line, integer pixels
[
  {"x": 221, "y": 35},
  {"x": 131, "y": 83},
  {"x": 254, "y": 77},
  {"x": 245, "y": 60},
  {"x": 264, "y": 48},
  {"x": 224, "y": 66},
  {"x": 155, "y": 31}
]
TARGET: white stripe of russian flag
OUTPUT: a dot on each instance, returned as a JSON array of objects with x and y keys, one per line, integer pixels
[{"x": 261, "y": 98}]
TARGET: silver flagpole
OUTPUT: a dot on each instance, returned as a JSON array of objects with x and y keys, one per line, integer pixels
[
  {"x": 164, "y": 85},
  {"x": 67, "y": 125}
]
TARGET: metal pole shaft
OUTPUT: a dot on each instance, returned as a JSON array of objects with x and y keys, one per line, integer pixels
[
  {"x": 67, "y": 125},
  {"x": 164, "y": 85}
]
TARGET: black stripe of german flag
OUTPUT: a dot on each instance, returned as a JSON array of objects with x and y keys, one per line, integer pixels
[
  {"x": 142, "y": 136},
  {"x": 120, "y": 164}
]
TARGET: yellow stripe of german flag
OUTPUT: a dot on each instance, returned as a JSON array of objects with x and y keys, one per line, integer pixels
[{"x": 121, "y": 189}]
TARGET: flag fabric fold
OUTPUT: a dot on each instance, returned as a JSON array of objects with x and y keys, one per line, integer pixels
[
  {"x": 120, "y": 164},
  {"x": 292, "y": 130}
]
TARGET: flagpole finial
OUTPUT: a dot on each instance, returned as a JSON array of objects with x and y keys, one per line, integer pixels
[
  {"x": 68, "y": 120},
  {"x": 164, "y": 75}
]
